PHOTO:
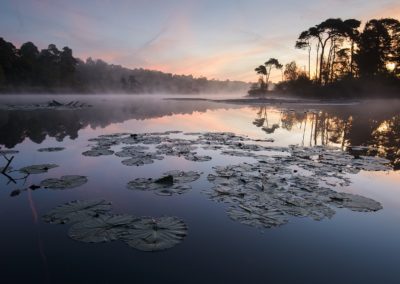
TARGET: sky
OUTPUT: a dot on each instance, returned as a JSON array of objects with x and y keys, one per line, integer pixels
[{"x": 221, "y": 39}]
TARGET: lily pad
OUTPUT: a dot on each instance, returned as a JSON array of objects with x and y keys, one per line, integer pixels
[
  {"x": 238, "y": 153},
  {"x": 69, "y": 181},
  {"x": 257, "y": 217},
  {"x": 172, "y": 182},
  {"x": 220, "y": 138},
  {"x": 132, "y": 151},
  {"x": 213, "y": 147},
  {"x": 37, "y": 169},
  {"x": 51, "y": 149},
  {"x": 355, "y": 202},
  {"x": 155, "y": 234},
  {"x": 142, "y": 159},
  {"x": 114, "y": 135},
  {"x": 165, "y": 189},
  {"x": 145, "y": 138},
  {"x": 98, "y": 152},
  {"x": 173, "y": 190},
  {"x": 198, "y": 158},
  {"x": 177, "y": 148},
  {"x": 184, "y": 177},
  {"x": 76, "y": 211},
  {"x": 103, "y": 228}
]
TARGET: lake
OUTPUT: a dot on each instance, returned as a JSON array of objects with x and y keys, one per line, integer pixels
[{"x": 348, "y": 247}]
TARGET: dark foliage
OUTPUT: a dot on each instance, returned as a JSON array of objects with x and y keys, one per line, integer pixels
[
  {"x": 52, "y": 70},
  {"x": 348, "y": 61}
]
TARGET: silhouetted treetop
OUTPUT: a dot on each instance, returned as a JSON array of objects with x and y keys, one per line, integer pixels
[{"x": 51, "y": 69}]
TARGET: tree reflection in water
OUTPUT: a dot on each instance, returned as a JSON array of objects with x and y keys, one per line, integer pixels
[
  {"x": 375, "y": 124},
  {"x": 342, "y": 127}
]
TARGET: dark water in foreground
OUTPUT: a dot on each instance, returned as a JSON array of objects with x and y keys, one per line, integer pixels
[{"x": 352, "y": 247}]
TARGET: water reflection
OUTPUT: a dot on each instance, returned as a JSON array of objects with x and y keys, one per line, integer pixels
[
  {"x": 248, "y": 249},
  {"x": 343, "y": 127},
  {"x": 18, "y": 125},
  {"x": 374, "y": 124}
]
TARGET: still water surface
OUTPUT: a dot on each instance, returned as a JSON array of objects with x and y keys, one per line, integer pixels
[{"x": 352, "y": 247}]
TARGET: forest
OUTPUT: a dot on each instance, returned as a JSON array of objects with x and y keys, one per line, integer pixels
[
  {"x": 50, "y": 70},
  {"x": 343, "y": 60}
]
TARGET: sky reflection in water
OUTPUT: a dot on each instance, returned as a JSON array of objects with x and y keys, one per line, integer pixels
[{"x": 361, "y": 247}]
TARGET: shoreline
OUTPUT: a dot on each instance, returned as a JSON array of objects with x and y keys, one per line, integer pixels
[{"x": 273, "y": 101}]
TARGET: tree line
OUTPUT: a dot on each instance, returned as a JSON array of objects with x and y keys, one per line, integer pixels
[
  {"x": 342, "y": 53},
  {"x": 29, "y": 69}
]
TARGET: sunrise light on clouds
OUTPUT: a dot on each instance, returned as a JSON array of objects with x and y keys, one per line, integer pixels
[{"x": 216, "y": 39}]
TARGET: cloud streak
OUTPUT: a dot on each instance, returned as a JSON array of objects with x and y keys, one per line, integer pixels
[{"x": 218, "y": 39}]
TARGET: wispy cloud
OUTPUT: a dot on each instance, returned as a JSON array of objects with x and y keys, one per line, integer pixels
[{"x": 218, "y": 39}]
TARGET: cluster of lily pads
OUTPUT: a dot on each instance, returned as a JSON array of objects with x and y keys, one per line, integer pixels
[
  {"x": 172, "y": 182},
  {"x": 138, "y": 154},
  {"x": 69, "y": 181},
  {"x": 282, "y": 182},
  {"x": 92, "y": 222},
  {"x": 64, "y": 182},
  {"x": 266, "y": 193}
]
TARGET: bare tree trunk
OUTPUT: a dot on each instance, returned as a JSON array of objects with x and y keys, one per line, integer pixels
[
  {"x": 333, "y": 64},
  {"x": 328, "y": 64},
  {"x": 321, "y": 63},
  {"x": 351, "y": 58},
  {"x": 316, "y": 63},
  {"x": 321, "y": 60},
  {"x": 269, "y": 72}
]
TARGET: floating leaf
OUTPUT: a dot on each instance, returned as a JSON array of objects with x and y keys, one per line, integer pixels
[
  {"x": 155, "y": 234},
  {"x": 98, "y": 152},
  {"x": 142, "y": 138},
  {"x": 132, "y": 151},
  {"x": 103, "y": 228},
  {"x": 76, "y": 211},
  {"x": 172, "y": 182},
  {"x": 37, "y": 169},
  {"x": 51, "y": 149},
  {"x": 92, "y": 223},
  {"x": 197, "y": 158},
  {"x": 257, "y": 217},
  {"x": 69, "y": 181},
  {"x": 355, "y": 202},
  {"x": 164, "y": 189},
  {"x": 176, "y": 147},
  {"x": 172, "y": 190},
  {"x": 183, "y": 177},
  {"x": 114, "y": 135}
]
